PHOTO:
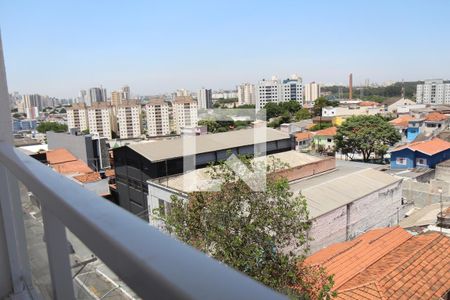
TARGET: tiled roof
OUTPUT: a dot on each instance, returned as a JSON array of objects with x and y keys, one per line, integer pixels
[
  {"x": 327, "y": 132},
  {"x": 72, "y": 167},
  {"x": 59, "y": 155},
  {"x": 89, "y": 177},
  {"x": 367, "y": 291},
  {"x": 301, "y": 136},
  {"x": 435, "y": 117},
  {"x": 64, "y": 162},
  {"x": 184, "y": 99},
  {"x": 429, "y": 147},
  {"x": 401, "y": 121},
  {"x": 368, "y": 103},
  {"x": 388, "y": 263},
  {"x": 157, "y": 101},
  {"x": 110, "y": 173}
]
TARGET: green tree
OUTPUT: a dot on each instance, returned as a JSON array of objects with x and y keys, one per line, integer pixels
[
  {"x": 302, "y": 114},
  {"x": 366, "y": 135},
  {"x": 246, "y": 106},
  {"x": 51, "y": 126},
  {"x": 273, "y": 110},
  {"x": 18, "y": 115},
  {"x": 211, "y": 125},
  {"x": 291, "y": 106},
  {"x": 284, "y": 118},
  {"x": 320, "y": 103},
  {"x": 245, "y": 229},
  {"x": 323, "y": 125},
  {"x": 217, "y": 126}
]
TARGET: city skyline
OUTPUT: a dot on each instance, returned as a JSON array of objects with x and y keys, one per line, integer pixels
[{"x": 58, "y": 48}]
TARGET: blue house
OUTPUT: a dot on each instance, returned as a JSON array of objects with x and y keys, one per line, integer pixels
[
  {"x": 414, "y": 129},
  {"x": 425, "y": 154}
]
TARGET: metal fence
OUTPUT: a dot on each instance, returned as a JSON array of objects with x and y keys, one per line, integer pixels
[{"x": 153, "y": 264}]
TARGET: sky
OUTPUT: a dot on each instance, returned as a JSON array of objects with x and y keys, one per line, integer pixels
[{"x": 59, "y": 47}]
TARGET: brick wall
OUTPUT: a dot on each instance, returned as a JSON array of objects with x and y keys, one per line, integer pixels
[{"x": 326, "y": 164}]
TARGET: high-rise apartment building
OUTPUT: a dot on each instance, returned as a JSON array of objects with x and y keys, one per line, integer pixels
[
  {"x": 184, "y": 113},
  {"x": 126, "y": 93},
  {"x": 183, "y": 93},
  {"x": 246, "y": 94},
  {"x": 77, "y": 117},
  {"x": 82, "y": 97},
  {"x": 157, "y": 111},
  {"x": 204, "y": 98},
  {"x": 101, "y": 120},
  {"x": 312, "y": 92},
  {"x": 292, "y": 89},
  {"x": 32, "y": 112},
  {"x": 129, "y": 119},
  {"x": 433, "y": 91},
  {"x": 268, "y": 91},
  {"x": 277, "y": 91},
  {"x": 116, "y": 98},
  {"x": 33, "y": 100},
  {"x": 97, "y": 94}
]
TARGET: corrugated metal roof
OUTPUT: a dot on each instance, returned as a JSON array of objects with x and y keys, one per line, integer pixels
[
  {"x": 166, "y": 149},
  {"x": 327, "y": 196}
]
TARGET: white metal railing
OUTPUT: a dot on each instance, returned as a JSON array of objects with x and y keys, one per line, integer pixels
[{"x": 153, "y": 264}]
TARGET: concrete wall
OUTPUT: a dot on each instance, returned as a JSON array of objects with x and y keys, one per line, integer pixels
[
  {"x": 323, "y": 141},
  {"x": 158, "y": 192},
  {"x": 100, "y": 187},
  {"x": 307, "y": 170},
  {"x": 379, "y": 209},
  {"x": 422, "y": 194},
  {"x": 328, "y": 229},
  {"x": 78, "y": 145},
  {"x": 443, "y": 172}
]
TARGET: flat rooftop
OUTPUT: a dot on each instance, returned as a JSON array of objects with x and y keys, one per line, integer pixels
[
  {"x": 166, "y": 149},
  {"x": 200, "y": 179},
  {"x": 324, "y": 192}
]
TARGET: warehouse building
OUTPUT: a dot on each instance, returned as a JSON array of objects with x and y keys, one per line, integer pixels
[{"x": 137, "y": 163}]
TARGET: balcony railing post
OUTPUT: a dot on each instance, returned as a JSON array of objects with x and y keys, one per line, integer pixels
[
  {"x": 15, "y": 274},
  {"x": 58, "y": 256},
  {"x": 14, "y": 230}
]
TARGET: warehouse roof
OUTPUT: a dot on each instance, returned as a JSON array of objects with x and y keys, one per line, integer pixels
[
  {"x": 166, "y": 149},
  {"x": 333, "y": 191},
  {"x": 200, "y": 179}
]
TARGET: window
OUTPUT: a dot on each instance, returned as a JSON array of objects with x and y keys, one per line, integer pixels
[
  {"x": 329, "y": 140},
  {"x": 401, "y": 161},
  {"x": 162, "y": 207},
  {"x": 421, "y": 161}
]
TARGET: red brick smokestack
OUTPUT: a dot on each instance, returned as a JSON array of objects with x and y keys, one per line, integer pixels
[{"x": 350, "y": 87}]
